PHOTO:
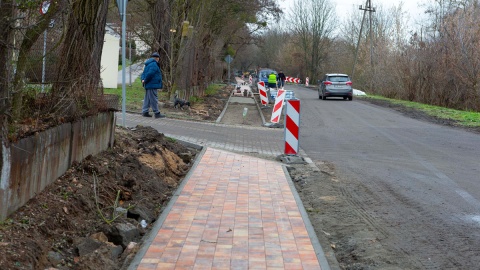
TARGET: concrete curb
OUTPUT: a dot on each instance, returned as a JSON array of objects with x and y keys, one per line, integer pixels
[
  {"x": 259, "y": 109},
  {"x": 219, "y": 119},
  {"x": 188, "y": 144},
  {"x": 322, "y": 260}
]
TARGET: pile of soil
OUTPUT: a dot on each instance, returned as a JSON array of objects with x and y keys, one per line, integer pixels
[{"x": 95, "y": 215}]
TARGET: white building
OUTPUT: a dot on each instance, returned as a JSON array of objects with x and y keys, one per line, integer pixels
[{"x": 109, "y": 62}]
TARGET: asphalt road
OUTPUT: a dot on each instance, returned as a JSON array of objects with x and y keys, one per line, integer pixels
[{"x": 422, "y": 179}]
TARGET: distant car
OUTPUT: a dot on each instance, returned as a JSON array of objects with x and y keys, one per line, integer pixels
[
  {"x": 335, "y": 85},
  {"x": 263, "y": 75}
]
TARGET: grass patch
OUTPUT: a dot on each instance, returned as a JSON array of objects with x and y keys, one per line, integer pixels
[
  {"x": 133, "y": 95},
  {"x": 464, "y": 118},
  {"x": 213, "y": 88},
  {"x": 170, "y": 139},
  {"x": 195, "y": 99},
  {"x": 127, "y": 64},
  {"x": 6, "y": 223}
]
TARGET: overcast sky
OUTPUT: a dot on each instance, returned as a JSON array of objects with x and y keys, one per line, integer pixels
[{"x": 345, "y": 7}]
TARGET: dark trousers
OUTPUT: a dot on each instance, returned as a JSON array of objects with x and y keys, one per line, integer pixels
[{"x": 150, "y": 100}]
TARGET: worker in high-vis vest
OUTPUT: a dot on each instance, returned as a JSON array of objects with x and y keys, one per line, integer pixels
[{"x": 272, "y": 80}]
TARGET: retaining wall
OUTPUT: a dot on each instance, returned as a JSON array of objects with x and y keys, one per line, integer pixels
[{"x": 32, "y": 163}]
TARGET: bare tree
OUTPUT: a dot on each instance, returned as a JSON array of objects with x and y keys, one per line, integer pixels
[
  {"x": 213, "y": 27},
  {"x": 377, "y": 69},
  {"x": 272, "y": 48},
  {"x": 312, "y": 23}
]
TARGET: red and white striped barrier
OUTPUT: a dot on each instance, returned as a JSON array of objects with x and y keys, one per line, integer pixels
[
  {"x": 277, "y": 108},
  {"x": 263, "y": 93},
  {"x": 292, "y": 126},
  {"x": 306, "y": 81},
  {"x": 293, "y": 80},
  {"x": 250, "y": 79}
]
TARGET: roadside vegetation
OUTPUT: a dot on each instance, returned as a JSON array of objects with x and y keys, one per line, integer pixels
[
  {"x": 135, "y": 93},
  {"x": 432, "y": 60},
  {"x": 461, "y": 118}
]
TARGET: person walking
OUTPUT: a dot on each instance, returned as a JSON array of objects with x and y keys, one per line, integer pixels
[
  {"x": 152, "y": 82},
  {"x": 281, "y": 79},
  {"x": 272, "y": 80}
]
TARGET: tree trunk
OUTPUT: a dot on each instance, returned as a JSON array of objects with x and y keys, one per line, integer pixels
[
  {"x": 6, "y": 32},
  {"x": 79, "y": 72},
  {"x": 160, "y": 16}
]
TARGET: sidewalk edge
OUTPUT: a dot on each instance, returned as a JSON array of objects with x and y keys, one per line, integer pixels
[
  {"x": 219, "y": 119},
  {"x": 259, "y": 110},
  {"x": 158, "y": 224},
  {"x": 322, "y": 259}
]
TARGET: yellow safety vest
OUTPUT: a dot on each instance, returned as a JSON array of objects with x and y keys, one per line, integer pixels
[{"x": 272, "y": 78}]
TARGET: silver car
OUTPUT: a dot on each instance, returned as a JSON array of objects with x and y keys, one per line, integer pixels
[{"x": 335, "y": 85}]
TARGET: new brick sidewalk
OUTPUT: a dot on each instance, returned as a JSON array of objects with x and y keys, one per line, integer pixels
[{"x": 232, "y": 211}]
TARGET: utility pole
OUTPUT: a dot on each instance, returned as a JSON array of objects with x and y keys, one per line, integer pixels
[{"x": 368, "y": 7}]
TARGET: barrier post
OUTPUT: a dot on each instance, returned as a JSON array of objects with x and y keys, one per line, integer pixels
[
  {"x": 292, "y": 127},
  {"x": 263, "y": 93},
  {"x": 277, "y": 108},
  {"x": 306, "y": 81}
]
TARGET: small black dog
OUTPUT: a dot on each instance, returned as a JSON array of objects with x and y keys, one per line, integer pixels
[{"x": 179, "y": 103}]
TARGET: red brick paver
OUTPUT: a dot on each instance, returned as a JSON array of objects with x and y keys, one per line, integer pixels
[{"x": 235, "y": 212}]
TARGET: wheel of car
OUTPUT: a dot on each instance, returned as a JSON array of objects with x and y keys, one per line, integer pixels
[
  {"x": 350, "y": 98},
  {"x": 319, "y": 96}
]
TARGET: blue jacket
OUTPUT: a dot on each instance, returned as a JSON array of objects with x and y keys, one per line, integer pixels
[{"x": 152, "y": 75}]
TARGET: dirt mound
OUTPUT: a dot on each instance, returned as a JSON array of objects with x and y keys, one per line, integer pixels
[{"x": 90, "y": 217}]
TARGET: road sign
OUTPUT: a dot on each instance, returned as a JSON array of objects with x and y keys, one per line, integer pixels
[
  {"x": 122, "y": 7},
  {"x": 44, "y": 7},
  {"x": 294, "y": 80},
  {"x": 228, "y": 59}
]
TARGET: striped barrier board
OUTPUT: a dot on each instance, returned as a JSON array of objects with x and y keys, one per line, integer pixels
[
  {"x": 263, "y": 93},
  {"x": 277, "y": 108},
  {"x": 292, "y": 79},
  {"x": 292, "y": 126}
]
